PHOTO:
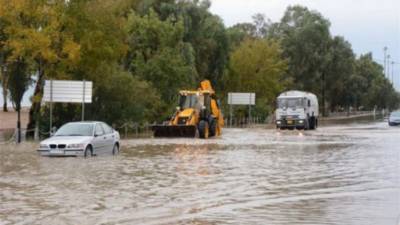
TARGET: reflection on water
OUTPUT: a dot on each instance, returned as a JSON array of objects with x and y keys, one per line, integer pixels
[{"x": 335, "y": 175}]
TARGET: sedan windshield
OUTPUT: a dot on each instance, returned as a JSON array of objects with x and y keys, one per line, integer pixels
[
  {"x": 290, "y": 103},
  {"x": 75, "y": 129},
  {"x": 395, "y": 114}
]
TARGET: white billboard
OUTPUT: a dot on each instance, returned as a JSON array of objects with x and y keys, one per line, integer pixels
[
  {"x": 67, "y": 91},
  {"x": 241, "y": 98}
]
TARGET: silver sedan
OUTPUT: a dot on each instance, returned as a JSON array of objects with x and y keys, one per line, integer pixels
[{"x": 81, "y": 139}]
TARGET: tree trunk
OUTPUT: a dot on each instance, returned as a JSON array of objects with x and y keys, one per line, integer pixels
[
  {"x": 5, "y": 88},
  {"x": 34, "y": 111},
  {"x": 19, "y": 125}
]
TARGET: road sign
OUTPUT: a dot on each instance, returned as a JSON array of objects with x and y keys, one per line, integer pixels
[
  {"x": 67, "y": 91},
  {"x": 241, "y": 98}
]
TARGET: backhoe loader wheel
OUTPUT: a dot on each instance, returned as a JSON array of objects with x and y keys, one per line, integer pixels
[
  {"x": 213, "y": 127},
  {"x": 204, "y": 129}
]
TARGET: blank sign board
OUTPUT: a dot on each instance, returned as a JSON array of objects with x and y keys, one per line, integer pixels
[
  {"x": 241, "y": 98},
  {"x": 68, "y": 91}
]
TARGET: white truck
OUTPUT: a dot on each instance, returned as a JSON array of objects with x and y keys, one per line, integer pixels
[{"x": 297, "y": 110}]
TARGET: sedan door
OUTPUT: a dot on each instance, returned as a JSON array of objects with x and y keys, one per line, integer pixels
[
  {"x": 99, "y": 140},
  {"x": 110, "y": 138}
]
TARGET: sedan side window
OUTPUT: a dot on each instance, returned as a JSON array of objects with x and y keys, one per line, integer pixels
[
  {"x": 107, "y": 129},
  {"x": 99, "y": 130}
]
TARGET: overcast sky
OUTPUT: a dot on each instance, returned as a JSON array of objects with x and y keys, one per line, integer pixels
[{"x": 367, "y": 25}]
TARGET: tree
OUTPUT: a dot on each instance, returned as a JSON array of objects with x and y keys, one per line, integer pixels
[
  {"x": 257, "y": 66},
  {"x": 36, "y": 33},
  {"x": 124, "y": 98},
  {"x": 305, "y": 38},
  {"x": 338, "y": 70},
  {"x": 158, "y": 54},
  {"x": 205, "y": 33},
  {"x": 19, "y": 80},
  {"x": 3, "y": 56}
]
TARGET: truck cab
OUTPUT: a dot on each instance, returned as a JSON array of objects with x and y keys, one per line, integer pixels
[{"x": 297, "y": 110}]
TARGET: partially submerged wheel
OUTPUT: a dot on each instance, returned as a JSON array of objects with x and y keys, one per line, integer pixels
[
  {"x": 88, "y": 152},
  {"x": 204, "y": 131},
  {"x": 115, "y": 150},
  {"x": 312, "y": 123},
  {"x": 213, "y": 127}
]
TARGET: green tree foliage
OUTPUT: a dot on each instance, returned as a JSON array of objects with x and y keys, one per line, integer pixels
[
  {"x": 305, "y": 38},
  {"x": 204, "y": 31},
  {"x": 158, "y": 54},
  {"x": 338, "y": 72},
  {"x": 35, "y": 32},
  {"x": 3, "y": 57},
  {"x": 257, "y": 66},
  {"x": 124, "y": 98},
  {"x": 327, "y": 66},
  {"x": 139, "y": 53}
]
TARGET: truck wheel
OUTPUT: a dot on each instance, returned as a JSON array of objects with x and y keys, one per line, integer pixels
[
  {"x": 306, "y": 124},
  {"x": 204, "y": 129},
  {"x": 312, "y": 123},
  {"x": 213, "y": 127}
]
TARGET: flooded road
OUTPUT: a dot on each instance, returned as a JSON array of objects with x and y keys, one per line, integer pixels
[{"x": 344, "y": 175}]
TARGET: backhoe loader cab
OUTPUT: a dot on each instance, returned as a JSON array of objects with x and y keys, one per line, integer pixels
[{"x": 197, "y": 114}]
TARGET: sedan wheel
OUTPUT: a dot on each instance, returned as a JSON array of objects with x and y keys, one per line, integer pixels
[
  {"x": 88, "y": 152},
  {"x": 115, "y": 150}
]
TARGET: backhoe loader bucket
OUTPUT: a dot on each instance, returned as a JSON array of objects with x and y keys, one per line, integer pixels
[{"x": 174, "y": 131}]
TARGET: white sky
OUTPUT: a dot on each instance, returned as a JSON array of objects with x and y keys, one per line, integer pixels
[{"x": 367, "y": 25}]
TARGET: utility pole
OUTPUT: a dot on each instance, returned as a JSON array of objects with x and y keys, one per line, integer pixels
[
  {"x": 393, "y": 73},
  {"x": 388, "y": 67},
  {"x": 384, "y": 60}
]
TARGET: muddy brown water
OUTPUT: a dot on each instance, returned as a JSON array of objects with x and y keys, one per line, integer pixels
[{"x": 348, "y": 174}]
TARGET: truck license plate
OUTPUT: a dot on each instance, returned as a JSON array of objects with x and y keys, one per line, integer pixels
[{"x": 289, "y": 122}]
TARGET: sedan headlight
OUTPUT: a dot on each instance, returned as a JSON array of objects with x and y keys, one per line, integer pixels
[
  {"x": 43, "y": 146},
  {"x": 76, "y": 146}
]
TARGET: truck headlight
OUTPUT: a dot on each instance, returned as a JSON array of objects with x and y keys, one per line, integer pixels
[
  {"x": 76, "y": 146},
  {"x": 278, "y": 122},
  {"x": 301, "y": 121}
]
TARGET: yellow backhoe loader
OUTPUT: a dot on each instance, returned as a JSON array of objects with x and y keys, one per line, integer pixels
[{"x": 198, "y": 114}]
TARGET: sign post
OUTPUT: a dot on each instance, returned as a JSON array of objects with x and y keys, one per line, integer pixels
[
  {"x": 51, "y": 105},
  {"x": 66, "y": 91},
  {"x": 241, "y": 99},
  {"x": 83, "y": 100}
]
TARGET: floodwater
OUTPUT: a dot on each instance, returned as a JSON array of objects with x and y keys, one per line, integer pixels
[{"x": 344, "y": 174}]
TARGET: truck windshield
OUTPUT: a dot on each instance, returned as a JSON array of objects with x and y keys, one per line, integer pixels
[
  {"x": 188, "y": 101},
  {"x": 290, "y": 103}
]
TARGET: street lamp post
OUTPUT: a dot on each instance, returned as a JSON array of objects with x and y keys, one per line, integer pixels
[
  {"x": 388, "y": 67},
  {"x": 384, "y": 60},
  {"x": 393, "y": 73}
]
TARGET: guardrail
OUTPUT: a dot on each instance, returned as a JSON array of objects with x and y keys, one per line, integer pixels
[{"x": 143, "y": 130}]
